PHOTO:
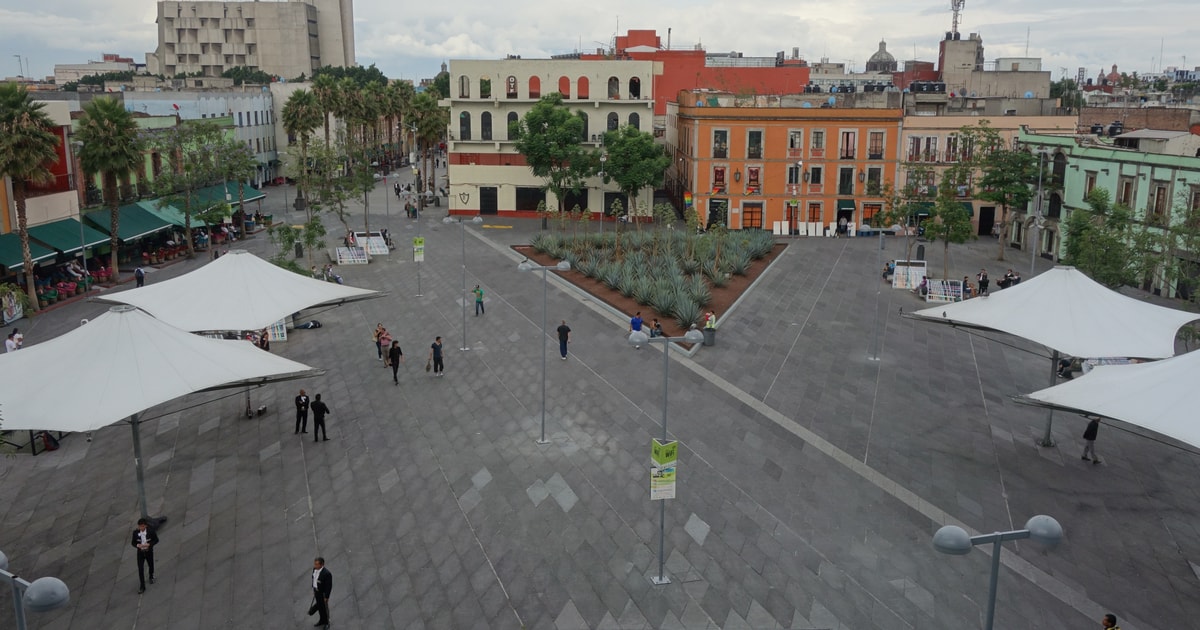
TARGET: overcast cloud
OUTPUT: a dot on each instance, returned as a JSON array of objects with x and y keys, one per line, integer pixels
[{"x": 410, "y": 40}]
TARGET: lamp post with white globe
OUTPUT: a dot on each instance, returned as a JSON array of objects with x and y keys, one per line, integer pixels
[
  {"x": 462, "y": 225},
  {"x": 562, "y": 265},
  {"x": 42, "y": 595}
]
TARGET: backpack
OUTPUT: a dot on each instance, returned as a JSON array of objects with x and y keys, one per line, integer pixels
[{"x": 139, "y": 274}]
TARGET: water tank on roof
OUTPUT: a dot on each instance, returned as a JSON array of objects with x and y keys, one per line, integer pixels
[
  {"x": 941, "y": 88},
  {"x": 1098, "y": 129},
  {"x": 805, "y": 105},
  {"x": 816, "y": 89},
  {"x": 833, "y": 100}
]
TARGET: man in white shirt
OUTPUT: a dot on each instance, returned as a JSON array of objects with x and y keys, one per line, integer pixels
[
  {"x": 10, "y": 344},
  {"x": 144, "y": 539},
  {"x": 322, "y": 585}
]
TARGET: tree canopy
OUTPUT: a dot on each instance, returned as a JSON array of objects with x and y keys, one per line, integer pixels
[
  {"x": 358, "y": 74},
  {"x": 550, "y": 137},
  {"x": 634, "y": 160}
]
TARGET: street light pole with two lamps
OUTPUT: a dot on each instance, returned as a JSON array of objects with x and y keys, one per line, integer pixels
[
  {"x": 462, "y": 225},
  {"x": 525, "y": 265},
  {"x": 42, "y": 595}
]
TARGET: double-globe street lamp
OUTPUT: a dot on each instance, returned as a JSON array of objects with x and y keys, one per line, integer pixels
[
  {"x": 954, "y": 540},
  {"x": 636, "y": 339},
  {"x": 42, "y": 595},
  {"x": 525, "y": 265},
  {"x": 462, "y": 225}
]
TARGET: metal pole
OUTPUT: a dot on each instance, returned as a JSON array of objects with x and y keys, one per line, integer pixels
[
  {"x": 662, "y": 504},
  {"x": 1036, "y": 227},
  {"x": 545, "y": 288},
  {"x": 878, "y": 290},
  {"x": 991, "y": 609},
  {"x": 1047, "y": 439},
  {"x": 462, "y": 228},
  {"x": 18, "y": 605},
  {"x": 137, "y": 464}
]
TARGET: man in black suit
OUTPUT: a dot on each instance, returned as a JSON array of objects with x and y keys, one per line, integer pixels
[
  {"x": 319, "y": 410},
  {"x": 144, "y": 539},
  {"x": 302, "y": 412},
  {"x": 322, "y": 585}
]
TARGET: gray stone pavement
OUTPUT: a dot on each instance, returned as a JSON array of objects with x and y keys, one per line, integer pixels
[{"x": 811, "y": 477}]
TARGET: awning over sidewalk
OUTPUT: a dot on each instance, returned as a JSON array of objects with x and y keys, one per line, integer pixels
[
  {"x": 11, "y": 257},
  {"x": 64, "y": 235},
  {"x": 167, "y": 213},
  {"x": 845, "y": 204},
  {"x": 135, "y": 222},
  {"x": 212, "y": 195}
]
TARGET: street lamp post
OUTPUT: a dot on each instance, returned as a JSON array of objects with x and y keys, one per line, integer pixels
[
  {"x": 525, "y": 265},
  {"x": 462, "y": 225},
  {"x": 637, "y": 338},
  {"x": 603, "y": 163},
  {"x": 954, "y": 540},
  {"x": 42, "y": 595},
  {"x": 76, "y": 147},
  {"x": 1037, "y": 220}
]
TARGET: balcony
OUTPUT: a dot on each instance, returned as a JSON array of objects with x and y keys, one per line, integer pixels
[
  {"x": 754, "y": 152},
  {"x": 721, "y": 152},
  {"x": 795, "y": 153}
]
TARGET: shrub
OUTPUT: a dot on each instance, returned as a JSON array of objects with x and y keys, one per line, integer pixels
[
  {"x": 698, "y": 290},
  {"x": 687, "y": 313},
  {"x": 715, "y": 274},
  {"x": 740, "y": 262},
  {"x": 543, "y": 242},
  {"x": 690, "y": 266}
]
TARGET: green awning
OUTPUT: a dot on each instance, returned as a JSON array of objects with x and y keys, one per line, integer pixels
[
  {"x": 64, "y": 235},
  {"x": 11, "y": 257},
  {"x": 845, "y": 204},
  {"x": 969, "y": 207},
  {"x": 922, "y": 208},
  {"x": 167, "y": 213},
  {"x": 207, "y": 197},
  {"x": 135, "y": 222}
]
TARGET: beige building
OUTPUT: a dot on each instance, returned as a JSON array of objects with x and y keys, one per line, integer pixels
[
  {"x": 285, "y": 39},
  {"x": 487, "y": 175}
]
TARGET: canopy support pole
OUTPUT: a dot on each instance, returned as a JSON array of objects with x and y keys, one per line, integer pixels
[
  {"x": 134, "y": 424},
  {"x": 1047, "y": 439},
  {"x": 249, "y": 412}
]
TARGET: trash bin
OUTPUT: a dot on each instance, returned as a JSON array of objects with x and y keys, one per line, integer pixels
[
  {"x": 299, "y": 250},
  {"x": 710, "y": 336},
  {"x": 920, "y": 252}
]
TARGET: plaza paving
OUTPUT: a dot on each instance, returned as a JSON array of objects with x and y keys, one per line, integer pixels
[{"x": 812, "y": 477}]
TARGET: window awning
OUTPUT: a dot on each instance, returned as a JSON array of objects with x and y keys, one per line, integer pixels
[
  {"x": 969, "y": 207},
  {"x": 167, "y": 213},
  {"x": 845, "y": 204},
  {"x": 11, "y": 257},
  {"x": 64, "y": 235},
  {"x": 212, "y": 195},
  {"x": 922, "y": 208},
  {"x": 135, "y": 222}
]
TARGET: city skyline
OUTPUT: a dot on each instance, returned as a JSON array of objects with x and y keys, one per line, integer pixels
[{"x": 412, "y": 43}]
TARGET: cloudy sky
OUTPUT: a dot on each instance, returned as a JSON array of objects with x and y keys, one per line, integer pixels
[{"x": 410, "y": 39}]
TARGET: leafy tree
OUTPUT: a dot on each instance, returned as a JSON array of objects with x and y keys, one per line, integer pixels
[
  {"x": 112, "y": 148},
  {"x": 441, "y": 83},
  {"x": 1098, "y": 240},
  {"x": 359, "y": 75},
  {"x": 301, "y": 115},
  {"x": 236, "y": 162},
  {"x": 635, "y": 161},
  {"x": 28, "y": 146},
  {"x": 1007, "y": 180},
  {"x": 325, "y": 89},
  {"x": 104, "y": 77},
  {"x": 549, "y": 136},
  {"x": 193, "y": 156},
  {"x": 950, "y": 224},
  {"x": 1067, "y": 90},
  {"x": 245, "y": 74},
  {"x": 430, "y": 120}
]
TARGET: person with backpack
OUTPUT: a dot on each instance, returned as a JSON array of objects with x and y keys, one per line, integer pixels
[{"x": 139, "y": 277}]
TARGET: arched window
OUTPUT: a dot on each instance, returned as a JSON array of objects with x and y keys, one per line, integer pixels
[
  {"x": 635, "y": 121},
  {"x": 1060, "y": 170},
  {"x": 614, "y": 87},
  {"x": 535, "y": 87},
  {"x": 510, "y": 87},
  {"x": 485, "y": 126},
  {"x": 584, "y": 117},
  {"x": 1055, "y": 209},
  {"x": 564, "y": 87},
  {"x": 513, "y": 121},
  {"x": 635, "y": 88},
  {"x": 464, "y": 86},
  {"x": 613, "y": 121},
  {"x": 581, "y": 88},
  {"x": 485, "y": 87},
  {"x": 464, "y": 126}
]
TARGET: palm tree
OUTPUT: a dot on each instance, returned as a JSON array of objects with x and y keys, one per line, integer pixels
[
  {"x": 27, "y": 148},
  {"x": 301, "y": 115},
  {"x": 404, "y": 97},
  {"x": 430, "y": 120},
  {"x": 325, "y": 88},
  {"x": 111, "y": 148}
]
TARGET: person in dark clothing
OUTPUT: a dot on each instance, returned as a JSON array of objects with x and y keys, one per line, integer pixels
[
  {"x": 435, "y": 355},
  {"x": 395, "y": 356},
  {"x": 302, "y": 412},
  {"x": 983, "y": 282},
  {"x": 322, "y": 586},
  {"x": 140, "y": 276},
  {"x": 319, "y": 410},
  {"x": 1109, "y": 622},
  {"x": 144, "y": 539},
  {"x": 1089, "y": 435},
  {"x": 564, "y": 337}
]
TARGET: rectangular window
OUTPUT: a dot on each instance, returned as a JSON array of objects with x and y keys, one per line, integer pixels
[
  {"x": 752, "y": 216},
  {"x": 754, "y": 145},
  {"x": 1126, "y": 194},
  {"x": 718, "y": 179},
  {"x": 846, "y": 181},
  {"x": 239, "y": 119},
  {"x": 793, "y": 174},
  {"x": 875, "y": 145},
  {"x": 869, "y": 211},
  {"x": 814, "y": 212},
  {"x": 720, "y": 148},
  {"x": 874, "y": 181},
  {"x": 930, "y": 152},
  {"x": 951, "y": 154},
  {"x": 966, "y": 148},
  {"x": 814, "y": 175},
  {"x": 1160, "y": 202},
  {"x": 914, "y": 149},
  {"x": 848, "y": 145},
  {"x": 753, "y": 180},
  {"x": 795, "y": 144},
  {"x": 1091, "y": 183},
  {"x": 818, "y": 143}
]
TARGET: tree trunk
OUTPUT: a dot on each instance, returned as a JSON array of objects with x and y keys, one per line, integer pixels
[
  {"x": 187, "y": 224},
  {"x": 326, "y": 120},
  {"x": 114, "y": 217},
  {"x": 946, "y": 259},
  {"x": 1003, "y": 234},
  {"x": 23, "y": 231}
]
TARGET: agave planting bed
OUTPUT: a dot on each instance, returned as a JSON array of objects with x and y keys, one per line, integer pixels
[{"x": 668, "y": 274}]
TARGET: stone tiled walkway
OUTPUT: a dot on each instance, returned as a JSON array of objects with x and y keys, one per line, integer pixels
[{"x": 811, "y": 476}]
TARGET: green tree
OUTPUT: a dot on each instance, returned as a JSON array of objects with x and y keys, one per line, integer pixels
[
  {"x": 112, "y": 149},
  {"x": 441, "y": 83},
  {"x": 192, "y": 151},
  {"x": 359, "y": 75},
  {"x": 950, "y": 224},
  {"x": 328, "y": 98},
  {"x": 1007, "y": 180},
  {"x": 301, "y": 115},
  {"x": 28, "y": 146},
  {"x": 550, "y": 137},
  {"x": 245, "y": 74},
  {"x": 1098, "y": 240},
  {"x": 430, "y": 120},
  {"x": 635, "y": 161},
  {"x": 236, "y": 162}
]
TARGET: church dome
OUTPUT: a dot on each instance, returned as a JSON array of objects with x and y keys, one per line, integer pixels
[{"x": 882, "y": 60}]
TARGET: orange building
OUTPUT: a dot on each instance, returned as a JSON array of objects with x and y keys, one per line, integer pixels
[{"x": 762, "y": 163}]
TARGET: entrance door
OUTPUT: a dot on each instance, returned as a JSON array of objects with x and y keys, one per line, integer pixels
[
  {"x": 987, "y": 220},
  {"x": 488, "y": 200},
  {"x": 793, "y": 219}
]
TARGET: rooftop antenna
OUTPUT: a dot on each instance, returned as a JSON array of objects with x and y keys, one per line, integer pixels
[
  {"x": 1026, "y": 41},
  {"x": 956, "y": 6}
]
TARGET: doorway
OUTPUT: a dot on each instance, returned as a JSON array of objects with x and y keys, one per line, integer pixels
[
  {"x": 987, "y": 220},
  {"x": 488, "y": 200}
]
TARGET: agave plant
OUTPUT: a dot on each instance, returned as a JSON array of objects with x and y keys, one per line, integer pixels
[
  {"x": 698, "y": 290},
  {"x": 687, "y": 313},
  {"x": 542, "y": 242},
  {"x": 715, "y": 274},
  {"x": 740, "y": 262},
  {"x": 690, "y": 266}
]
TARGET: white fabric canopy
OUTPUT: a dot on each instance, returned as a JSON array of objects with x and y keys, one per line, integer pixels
[
  {"x": 238, "y": 291},
  {"x": 139, "y": 362},
  {"x": 1158, "y": 395},
  {"x": 1066, "y": 311}
]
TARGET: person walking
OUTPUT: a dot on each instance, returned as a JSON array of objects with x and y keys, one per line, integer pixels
[
  {"x": 10, "y": 344},
  {"x": 375, "y": 337},
  {"x": 395, "y": 357},
  {"x": 982, "y": 278},
  {"x": 139, "y": 275},
  {"x": 564, "y": 337},
  {"x": 385, "y": 344},
  {"x": 319, "y": 410},
  {"x": 1109, "y": 622},
  {"x": 322, "y": 586},
  {"x": 1089, "y": 436},
  {"x": 302, "y": 412},
  {"x": 478, "y": 301},
  {"x": 635, "y": 325},
  {"x": 435, "y": 355},
  {"x": 144, "y": 539}
]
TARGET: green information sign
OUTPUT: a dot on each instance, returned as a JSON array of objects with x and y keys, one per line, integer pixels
[
  {"x": 663, "y": 459},
  {"x": 418, "y": 249}
]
